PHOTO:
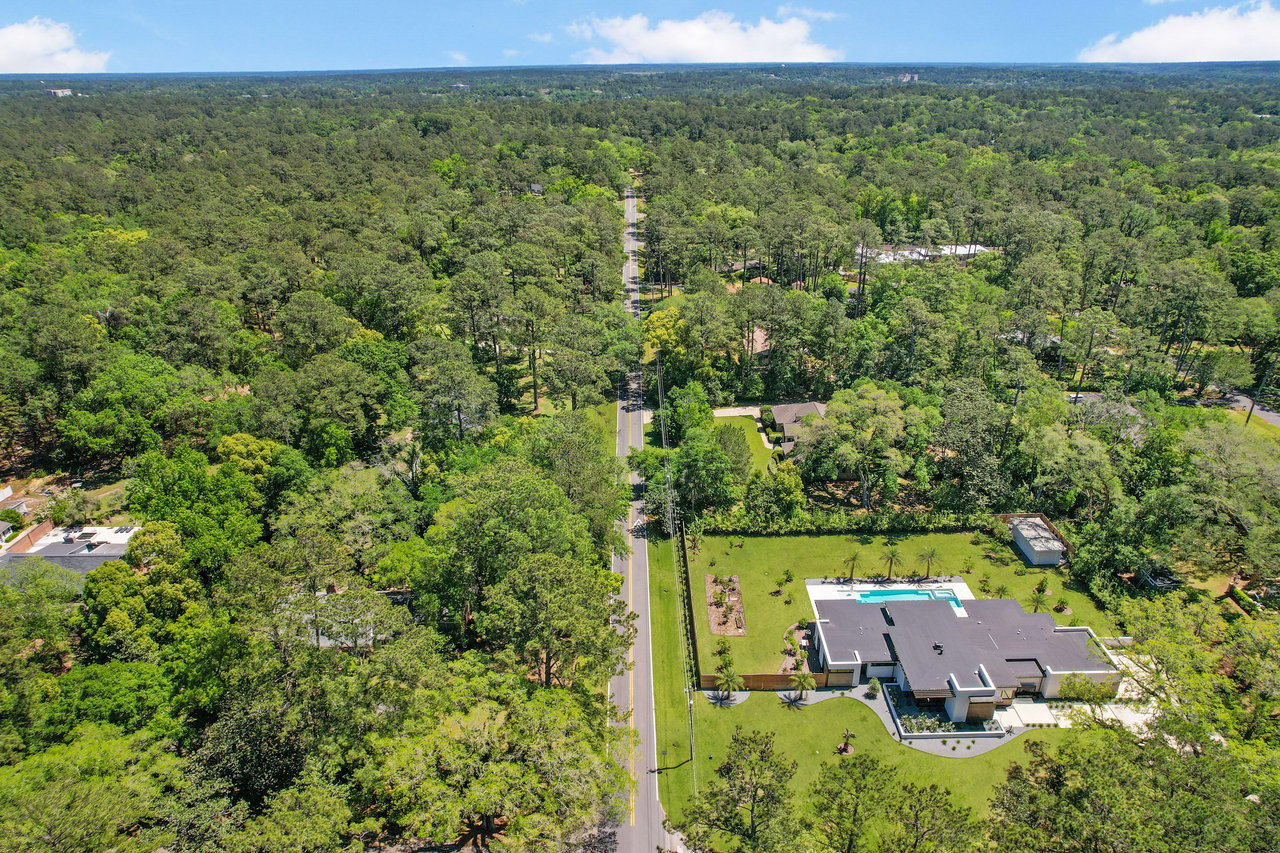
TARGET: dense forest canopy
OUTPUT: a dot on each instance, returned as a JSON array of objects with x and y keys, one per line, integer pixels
[{"x": 341, "y": 345}]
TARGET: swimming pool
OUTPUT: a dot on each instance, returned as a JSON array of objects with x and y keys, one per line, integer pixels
[{"x": 875, "y": 596}]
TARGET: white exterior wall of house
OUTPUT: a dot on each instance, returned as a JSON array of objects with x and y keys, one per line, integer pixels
[
  {"x": 889, "y": 671},
  {"x": 1051, "y": 687},
  {"x": 957, "y": 707}
]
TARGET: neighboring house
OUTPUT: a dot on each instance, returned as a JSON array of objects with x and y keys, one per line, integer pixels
[
  {"x": 58, "y": 93},
  {"x": 21, "y": 505},
  {"x": 789, "y": 417},
  {"x": 80, "y": 549},
  {"x": 887, "y": 254},
  {"x": 536, "y": 189},
  {"x": 1038, "y": 544},
  {"x": 968, "y": 659},
  {"x": 5, "y": 529}
]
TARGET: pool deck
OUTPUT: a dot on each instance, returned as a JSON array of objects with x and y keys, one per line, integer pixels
[{"x": 836, "y": 588}]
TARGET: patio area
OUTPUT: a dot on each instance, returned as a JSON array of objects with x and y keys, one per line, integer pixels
[{"x": 879, "y": 591}]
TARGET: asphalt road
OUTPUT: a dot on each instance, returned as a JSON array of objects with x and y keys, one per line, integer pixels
[{"x": 641, "y": 831}]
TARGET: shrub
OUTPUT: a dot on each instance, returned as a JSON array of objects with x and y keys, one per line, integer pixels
[
  {"x": 739, "y": 522},
  {"x": 1247, "y": 604},
  {"x": 921, "y": 723}
]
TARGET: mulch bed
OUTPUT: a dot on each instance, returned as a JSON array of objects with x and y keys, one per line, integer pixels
[{"x": 729, "y": 621}]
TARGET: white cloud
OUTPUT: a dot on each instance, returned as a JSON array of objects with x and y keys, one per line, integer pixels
[
  {"x": 711, "y": 37},
  {"x": 1246, "y": 31},
  {"x": 510, "y": 52},
  {"x": 457, "y": 57},
  {"x": 42, "y": 46},
  {"x": 789, "y": 11},
  {"x": 542, "y": 38}
]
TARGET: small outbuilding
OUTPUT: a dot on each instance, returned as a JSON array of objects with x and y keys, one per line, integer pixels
[{"x": 1038, "y": 544}]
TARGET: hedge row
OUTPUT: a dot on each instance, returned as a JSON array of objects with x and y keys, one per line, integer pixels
[
  {"x": 1247, "y": 604},
  {"x": 739, "y": 522}
]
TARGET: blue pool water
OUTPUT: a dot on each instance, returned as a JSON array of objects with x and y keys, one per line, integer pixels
[{"x": 877, "y": 595}]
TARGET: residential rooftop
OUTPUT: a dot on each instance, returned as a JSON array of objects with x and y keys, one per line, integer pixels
[
  {"x": 1037, "y": 533},
  {"x": 80, "y": 549},
  {"x": 935, "y": 642}
]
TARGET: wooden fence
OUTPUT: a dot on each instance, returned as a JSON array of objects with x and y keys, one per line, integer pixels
[{"x": 1053, "y": 528}]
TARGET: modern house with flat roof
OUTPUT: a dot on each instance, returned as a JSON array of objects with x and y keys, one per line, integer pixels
[
  {"x": 80, "y": 549},
  {"x": 968, "y": 656},
  {"x": 1038, "y": 544}
]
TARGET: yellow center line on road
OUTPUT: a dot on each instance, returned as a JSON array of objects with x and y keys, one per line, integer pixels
[{"x": 631, "y": 669}]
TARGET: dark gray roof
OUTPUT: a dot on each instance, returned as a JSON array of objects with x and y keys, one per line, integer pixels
[
  {"x": 790, "y": 413},
  {"x": 853, "y": 631},
  {"x": 76, "y": 556},
  {"x": 933, "y": 643}
]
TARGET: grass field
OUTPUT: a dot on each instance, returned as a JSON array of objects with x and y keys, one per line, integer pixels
[
  {"x": 807, "y": 735},
  {"x": 760, "y": 455},
  {"x": 1257, "y": 425},
  {"x": 761, "y": 562},
  {"x": 605, "y": 418}
]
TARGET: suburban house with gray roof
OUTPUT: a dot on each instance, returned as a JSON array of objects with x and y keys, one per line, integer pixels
[
  {"x": 969, "y": 658},
  {"x": 789, "y": 417}
]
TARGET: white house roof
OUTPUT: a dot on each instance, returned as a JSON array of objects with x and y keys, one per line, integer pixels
[{"x": 1037, "y": 534}]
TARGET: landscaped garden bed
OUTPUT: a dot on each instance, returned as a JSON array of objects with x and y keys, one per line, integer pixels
[{"x": 724, "y": 606}]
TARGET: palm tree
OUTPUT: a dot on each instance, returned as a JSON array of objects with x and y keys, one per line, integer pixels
[
  {"x": 852, "y": 563},
  {"x": 1000, "y": 591},
  {"x": 891, "y": 558},
  {"x": 728, "y": 681},
  {"x": 844, "y": 746},
  {"x": 802, "y": 680},
  {"x": 927, "y": 558},
  {"x": 1038, "y": 601}
]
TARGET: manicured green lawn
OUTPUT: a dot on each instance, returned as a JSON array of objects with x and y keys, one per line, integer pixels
[
  {"x": 806, "y": 735},
  {"x": 760, "y": 455},
  {"x": 605, "y": 417},
  {"x": 1257, "y": 425},
  {"x": 762, "y": 561}
]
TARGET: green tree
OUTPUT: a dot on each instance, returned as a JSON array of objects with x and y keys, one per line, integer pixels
[
  {"x": 537, "y": 766},
  {"x": 891, "y": 558},
  {"x": 101, "y": 791},
  {"x": 867, "y": 433},
  {"x": 927, "y": 558},
  {"x": 851, "y": 799},
  {"x": 801, "y": 681},
  {"x": 455, "y": 400},
  {"x": 562, "y": 618},
  {"x": 749, "y": 799}
]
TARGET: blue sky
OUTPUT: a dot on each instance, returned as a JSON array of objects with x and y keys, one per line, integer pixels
[{"x": 276, "y": 35}]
